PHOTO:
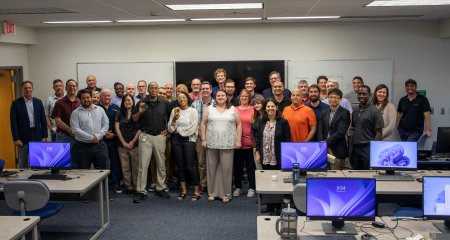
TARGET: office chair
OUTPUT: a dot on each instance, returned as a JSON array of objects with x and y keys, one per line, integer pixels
[
  {"x": 408, "y": 212},
  {"x": 299, "y": 197},
  {"x": 29, "y": 198}
]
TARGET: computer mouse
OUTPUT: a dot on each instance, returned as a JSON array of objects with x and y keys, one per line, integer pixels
[
  {"x": 419, "y": 179},
  {"x": 367, "y": 236}
]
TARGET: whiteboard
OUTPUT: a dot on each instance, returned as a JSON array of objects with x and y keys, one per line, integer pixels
[
  {"x": 107, "y": 73},
  {"x": 373, "y": 72}
]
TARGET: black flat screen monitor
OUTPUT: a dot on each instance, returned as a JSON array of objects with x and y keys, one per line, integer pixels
[
  {"x": 340, "y": 200},
  {"x": 49, "y": 155},
  {"x": 443, "y": 140},
  {"x": 436, "y": 200},
  {"x": 311, "y": 156},
  {"x": 392, "y": 156}
]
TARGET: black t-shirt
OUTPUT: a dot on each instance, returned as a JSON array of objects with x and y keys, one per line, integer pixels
[
  {"x": 365, "y": 123},
  {"x": 154, "y": 120},
  {"x": 413, "y": 118},
  {"x": 128, "y": 128}
]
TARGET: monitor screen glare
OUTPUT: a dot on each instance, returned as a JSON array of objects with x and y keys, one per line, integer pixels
[
  {"x": 49, "y": 155},
  {"x": 309, "y": 155},
  {"x": 393, "y": 155}
]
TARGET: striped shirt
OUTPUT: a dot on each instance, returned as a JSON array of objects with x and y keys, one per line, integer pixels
[{"x": 88, "y": 122}]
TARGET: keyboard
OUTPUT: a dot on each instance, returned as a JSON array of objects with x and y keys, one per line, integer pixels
[
  {"x": 48, "y": 177},
  {"x": 327, "y": 237},
  {"x": 440, "y": 236},
  {"x": 396, "y": 177}
]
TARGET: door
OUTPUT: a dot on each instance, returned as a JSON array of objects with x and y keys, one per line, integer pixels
[{"x": 7, "y": 149}]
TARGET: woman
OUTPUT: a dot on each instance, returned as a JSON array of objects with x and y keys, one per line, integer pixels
[
  {"x": 180, "y": 88},
  {"x": 183, "y": 124},
  {"x": 220, "y": 134},
  {"x": 244, "y": 155},
  {"x": 389, "y": 112},
  {"x": 128, "y": 134},
  {"x": 95, "y": 97},
  {"x": 257, "y": 116}
]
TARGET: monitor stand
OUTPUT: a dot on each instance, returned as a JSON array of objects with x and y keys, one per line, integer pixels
[
  {"x": 339, "y": 228},
  {"x": 391, "y": 175},
  {"x": 52, "y": 175},
  {"x": 443, "y": 227}
]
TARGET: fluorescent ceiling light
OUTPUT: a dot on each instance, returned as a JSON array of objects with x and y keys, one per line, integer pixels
[
  {"x": 224, "y": 19},
  {"x": 151, "y": 20},
  {"x": 307, "y": 17},
  {"x": 77, "y": 22},
  {"x": 181, "y": 7},
  {"x": 396, "y": 3}
]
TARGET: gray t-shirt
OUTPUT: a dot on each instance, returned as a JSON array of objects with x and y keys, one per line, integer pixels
[{"x": 365, "y": 123}]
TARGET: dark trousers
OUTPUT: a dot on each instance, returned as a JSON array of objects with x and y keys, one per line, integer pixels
[
  {"x": 241, "y": 157},
  {"x": 114, "y": 162},
  {"x": 408, "y": 136},
  {"x": 87, "y": 154},
  {"x": 184, "y": 154},
  {"x": 360, "y": 159}
]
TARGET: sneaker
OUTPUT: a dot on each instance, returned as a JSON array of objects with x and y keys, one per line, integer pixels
[
  {"x": 162, "y": 194},
  {"x": 140, "y": 197},
  {"x": 117, "y": 189},
  {"x": 237, "y": 192},
  {"x": 251, "y": 193},
  {"x": 152, "y": 187},
  {"x": 166, "y": 189}
]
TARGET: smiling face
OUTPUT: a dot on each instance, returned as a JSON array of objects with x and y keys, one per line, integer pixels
[
  {"x": 195, "y": 85},
  {"x": 244, "y": 98},
  {"x": 91, "y": 81},
  {"x": 221, "y": 77},
  {"x": 229, "y": 88},
  {"x": 296, "y": 97},
  {"x": 410, "y": 88},
  {"x": 303, "y": 88},
  {"x": 119, "y": 89},
  {"x": 181, "y": 88},
  {"x": 169, "y": 90},
  {"x": 183, "y": 100},
  {"x": 153, "y": 90},
  {"x": 86, "y": 100},
  {"x": 58, "y": 87},
  {"x": 363, "y": 95},
  {"x": 131, "y": 89},
  {"x": 162, "y": 92},
  {"x": 27, "y": 90},
  {"x": 128, "y": 102},
  {"x": 357, "y": 83},
  {"x": 221, "y": 97},
  {"x": 278, "y": 88},
  {"x": 105, "y": 97},
  {"x": 313, "y": 94},
  {"x": 271, "y": 109},
  {"x": 334, "y": 100},
  {"x": 95, "y": 98},
  {"x": 71, "y": 88},
  {"x": 330, "y": 85},
  {"x": 258, "y": 105},
  {"x": 250, "y": 86},
  {"x": 275, "y": 77},
  {"x": 381, "y": 94},
  {"x": 206, "y": 90},
  {"x": 323, "y": 84}
]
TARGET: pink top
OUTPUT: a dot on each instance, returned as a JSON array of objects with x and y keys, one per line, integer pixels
[{"x": 246, "y": 122}]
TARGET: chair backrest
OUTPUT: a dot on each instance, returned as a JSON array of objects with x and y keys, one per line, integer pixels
[
  {"x": 299, "y": 196},
  {"x": 2, "y": 165},
  {"x": 26, "y": 194}
]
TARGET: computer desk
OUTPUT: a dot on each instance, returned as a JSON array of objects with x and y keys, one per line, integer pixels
[
  {"x": 81, "y": 184},
  {"x": 266, "y": 228},
  {"x": 14, "y": 227}
]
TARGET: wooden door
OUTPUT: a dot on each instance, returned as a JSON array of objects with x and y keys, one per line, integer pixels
[{"x": 7, "y": 149}]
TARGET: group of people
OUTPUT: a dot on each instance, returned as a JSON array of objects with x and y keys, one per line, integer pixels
[{"x": 206, "y": 137}]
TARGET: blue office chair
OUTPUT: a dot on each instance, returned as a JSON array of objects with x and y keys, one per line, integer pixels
[
  {"x": 29, "y": 197},
  {"x": 408, "y": 212}
]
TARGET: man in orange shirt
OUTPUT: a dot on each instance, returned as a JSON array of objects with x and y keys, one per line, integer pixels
[{"x": 301, "y": 119}]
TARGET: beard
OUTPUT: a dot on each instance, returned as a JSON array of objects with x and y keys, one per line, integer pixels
[{"x": 314, "y": 98}]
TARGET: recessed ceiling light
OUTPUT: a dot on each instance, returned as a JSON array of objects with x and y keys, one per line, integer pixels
[
  {"x": 224, "y": 19},
  {"x": 151, "y": 20},
  {"x": 307, "y": 17},
  {"x": 396, "y": 3},
  {"x": 77, "y": 22},
  {"x": 181, "y": 7}
]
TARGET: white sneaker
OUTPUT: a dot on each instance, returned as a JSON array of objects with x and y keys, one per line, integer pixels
[
  {"x": 251, "y": 193},
  {"x": 237, "y": 192}
]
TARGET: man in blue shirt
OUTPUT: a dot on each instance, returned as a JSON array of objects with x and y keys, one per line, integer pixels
[{"x": 316, "y": 105}]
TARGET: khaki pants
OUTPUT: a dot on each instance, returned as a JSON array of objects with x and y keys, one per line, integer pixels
[
  {"x": 151, "y": 145},
  {"x": 336, "y": 163},
  {"x": 170, "y": 164},
  {"x": 201, "y": 163},
  {"x": 129, "y": 160},
  {"x": 219, "y": 166}
]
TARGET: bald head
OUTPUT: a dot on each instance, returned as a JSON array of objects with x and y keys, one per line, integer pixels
[{"x": 105, "y": 97}]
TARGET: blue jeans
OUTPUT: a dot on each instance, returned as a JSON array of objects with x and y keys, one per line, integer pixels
[{"x": 409, "y": 136}]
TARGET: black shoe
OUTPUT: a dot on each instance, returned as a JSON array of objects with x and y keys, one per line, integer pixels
[
  {"x": 162, "y": 194},
  {"x": 140, "y": 197},
  {"x": 117, "y": 189}
]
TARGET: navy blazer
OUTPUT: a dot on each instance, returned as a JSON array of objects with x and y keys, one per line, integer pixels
[
  {"x": 337, "y": 130},
  {"x": 20, "y": 124}
]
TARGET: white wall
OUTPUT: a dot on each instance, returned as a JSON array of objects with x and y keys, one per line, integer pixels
[
  {"x": 416, "y": 48},
  {"x": 14, "y": 55}
]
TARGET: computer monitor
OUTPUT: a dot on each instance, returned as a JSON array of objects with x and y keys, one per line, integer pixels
[
  {"x": 443, "y": 140},
  {"x": 392, "y": 156},
  {"x": 436, "y": 200},
  {"x": 311, "y": 156},
  {"x": 49, "y": 155},
  {"x": 340, "y": 200}
]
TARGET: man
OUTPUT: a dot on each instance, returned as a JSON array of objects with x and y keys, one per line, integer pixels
[
  {"x": 250, "y": 85},
  {"x": 321, "y": 81},
  {"x": 352, "y": 96},
  {"x": 367, "y": 123},
  {"x": 301, "y": 119},
  {"x": 89, "y": 125},
  {"x": 119, "y": 89},
  {"x": 195, "y": 86},
  {"x": 142, "y": 90},
  {"x": 220, "y": 75},
  {"x": 332, "y": 84},
  {"x": 91, "y": 82},
  {"x": 169, "y": 92},
  {"x": 279, "y": 97},
  {"x": 111, "y": 139},
  {"x": 162, "y": 92},
  {"x": 61, "y": 113},
  {"x": 28, "y": 122},
  {"x": 316, "y": 105},
  {"x": 200, "y": 106},
  {"x": 303, "y": 86},
  {"x": 58, "y": 87},
  {"x": 152, "y": 113},
  {"x": 131, "y": 89},
  {"x": 333, "y": 126},
  {"x": 413, "y": 109},
  {"x": 274, "y": 77},
  {"x": 230, "y": 89}
]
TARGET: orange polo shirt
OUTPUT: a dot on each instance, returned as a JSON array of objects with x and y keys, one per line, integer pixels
[{"x": 300, "y": 121}]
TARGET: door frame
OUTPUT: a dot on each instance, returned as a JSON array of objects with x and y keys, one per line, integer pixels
[{"x": 17, "y": 79}]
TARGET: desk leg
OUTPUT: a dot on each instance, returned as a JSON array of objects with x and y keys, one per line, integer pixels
[
  {"x": 259, "y": 203},
  {"x": 35, "y": 233},
  {"x": 103, "y": 196}
]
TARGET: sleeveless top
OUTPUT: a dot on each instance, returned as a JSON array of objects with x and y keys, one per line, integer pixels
[{"x": 221, "y": 128}]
